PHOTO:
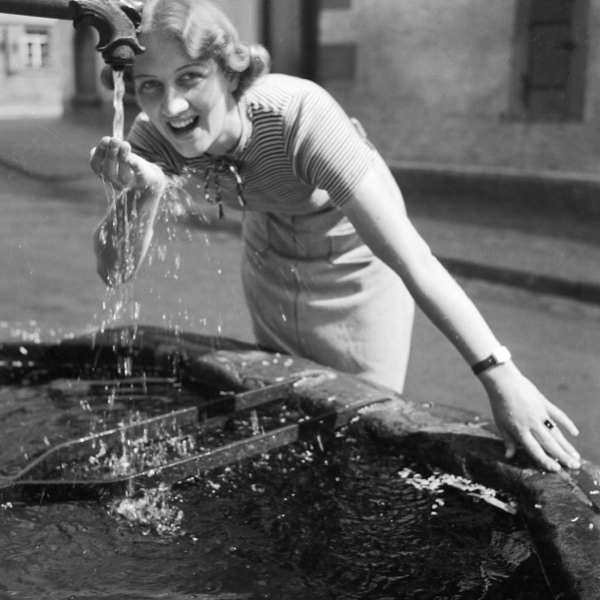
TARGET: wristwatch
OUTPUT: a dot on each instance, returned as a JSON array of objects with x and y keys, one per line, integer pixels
[{"x": 497, "y": 357}]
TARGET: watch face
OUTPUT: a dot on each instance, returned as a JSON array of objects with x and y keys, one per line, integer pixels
[
  {"x": 497, "y": 357},
  {"x": 501, "y": 355}
]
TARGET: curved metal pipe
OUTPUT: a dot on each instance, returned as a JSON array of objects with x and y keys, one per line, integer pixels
[
  {"x": 52, "y": 9},
  {"x": 115, "y": 20}
]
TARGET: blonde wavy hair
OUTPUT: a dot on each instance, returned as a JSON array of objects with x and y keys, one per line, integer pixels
[{"x": 203, "y": 31}]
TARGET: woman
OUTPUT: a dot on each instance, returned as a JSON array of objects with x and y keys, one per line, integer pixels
[{"x": 331, "y": 258}]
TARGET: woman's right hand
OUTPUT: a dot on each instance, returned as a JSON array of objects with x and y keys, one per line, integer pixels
[
  {"x": 116, "y": 164},
  {"x": 113, "y": 161}
]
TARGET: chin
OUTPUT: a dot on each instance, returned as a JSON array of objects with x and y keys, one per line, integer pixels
[
  {"x": 193, "y": 148},
  {"x": 190, "y": 150}
]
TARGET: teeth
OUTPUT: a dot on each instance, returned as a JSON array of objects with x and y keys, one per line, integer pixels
[{"x": 181, "y": 124}]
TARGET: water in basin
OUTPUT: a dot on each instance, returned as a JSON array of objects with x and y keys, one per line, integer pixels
[{"x": 341, "y": 518}]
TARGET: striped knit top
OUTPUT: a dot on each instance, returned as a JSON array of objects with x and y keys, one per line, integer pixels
[{"x": 298, "y": 152}]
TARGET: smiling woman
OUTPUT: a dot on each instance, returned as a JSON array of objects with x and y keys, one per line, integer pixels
[
  {"x": 190, "y": 102},
  {"x": 332, "y": 262}
]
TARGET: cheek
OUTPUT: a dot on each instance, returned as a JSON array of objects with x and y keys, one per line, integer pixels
[
  {"x": 214, "y": 101},
  {"x": 217, "y": 117},
  {"x": 146, "y": 103}
]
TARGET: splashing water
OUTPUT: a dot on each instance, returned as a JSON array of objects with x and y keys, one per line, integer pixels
[
  {"x": 119, "y": 300},
  {"x": 159, "y": 290},
  {"x": 177, "y": 207}
]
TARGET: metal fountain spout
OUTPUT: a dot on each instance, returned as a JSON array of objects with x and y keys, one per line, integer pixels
[{"x": 115, "y": 20}]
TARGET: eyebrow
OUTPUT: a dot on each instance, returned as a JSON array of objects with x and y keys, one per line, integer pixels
[{"x": 193, "y": 64}]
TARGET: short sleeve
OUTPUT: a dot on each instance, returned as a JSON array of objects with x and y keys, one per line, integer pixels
[{"x": 328, "y": 150}]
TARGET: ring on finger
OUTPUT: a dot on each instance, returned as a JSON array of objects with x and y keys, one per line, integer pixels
[{"x": 549, "y": 423}]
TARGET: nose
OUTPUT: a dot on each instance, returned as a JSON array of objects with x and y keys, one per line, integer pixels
[{"x": 174, "y": 103}]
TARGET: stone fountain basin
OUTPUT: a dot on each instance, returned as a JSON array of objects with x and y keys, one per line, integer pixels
[{"x": 564, "y": 529}]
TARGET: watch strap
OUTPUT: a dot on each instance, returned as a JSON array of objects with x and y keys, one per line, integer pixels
[{"x": 497, "y": 357}]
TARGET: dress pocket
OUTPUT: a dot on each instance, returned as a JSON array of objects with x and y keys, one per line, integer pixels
[{"x": 349, "y": 249}]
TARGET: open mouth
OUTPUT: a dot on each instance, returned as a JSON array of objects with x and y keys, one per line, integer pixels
[{"x": 183, "y": 126}]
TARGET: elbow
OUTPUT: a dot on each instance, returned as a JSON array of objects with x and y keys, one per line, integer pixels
[
  {"x": 113, "y": 272},
  {"x": 104, "y": 268},
  {"x": 119, "y": 258},
  {"x": 109, "y": 266},
  {"x": 108, "y": 276}
]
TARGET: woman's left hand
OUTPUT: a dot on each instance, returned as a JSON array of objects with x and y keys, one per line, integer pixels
[{"x": 525, "y": 417}]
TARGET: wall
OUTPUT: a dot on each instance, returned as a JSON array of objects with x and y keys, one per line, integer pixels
[
  {"x": 245, "y": 15},
  {"x": 432, "y": 85},
  {"x": 65, "y": 33}
]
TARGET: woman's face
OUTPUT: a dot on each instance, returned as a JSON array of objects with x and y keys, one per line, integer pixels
[{"x": 190, "y": 101}]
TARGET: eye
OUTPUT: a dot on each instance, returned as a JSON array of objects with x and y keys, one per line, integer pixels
[
  {"x": 190, "y": 78},
  {"x": 148, "y": 86}
]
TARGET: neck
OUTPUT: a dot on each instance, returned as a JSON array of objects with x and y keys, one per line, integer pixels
[{"x": 232, "y": 131}]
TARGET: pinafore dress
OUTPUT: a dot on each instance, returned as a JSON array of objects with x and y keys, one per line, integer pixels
[{"x": 313, "y": 288}]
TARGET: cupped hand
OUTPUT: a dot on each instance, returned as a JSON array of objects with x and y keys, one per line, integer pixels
[
  {"x": 113, "y": 161},
  {"x": 526, "y": 418}
]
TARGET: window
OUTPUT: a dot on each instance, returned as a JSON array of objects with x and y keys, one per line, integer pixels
[
  {"x": 36, "y": 49},
  {"x": 549, "y": 66},
  {"x": 28, "y": 49}
]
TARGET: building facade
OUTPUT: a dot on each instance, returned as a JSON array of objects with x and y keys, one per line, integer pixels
[{"x": 510, "y": 84}]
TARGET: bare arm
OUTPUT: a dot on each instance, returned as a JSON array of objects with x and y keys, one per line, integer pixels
[
  {"x": 378, "y": 212},
  {"x": 123, "y": 237}
]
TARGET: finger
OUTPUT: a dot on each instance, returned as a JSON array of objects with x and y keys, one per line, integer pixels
[
  {"x": 100, "y": 149},
  {"x": 566, "y": 445},
  {"x": 510, "y": 444},
  {"x": 97, "y": 161},
  {"x": 125, "y": 148},
  {"x": 552, "y": 429},
  {"x": 110, "y": 165},
  {"x": 126, "y": 173},
  {"x": 549, "y": 442},
  {"x": 535, "y": 450},
  {"x": 98, "y": 154},
  {"x": 561, "y": 418}
]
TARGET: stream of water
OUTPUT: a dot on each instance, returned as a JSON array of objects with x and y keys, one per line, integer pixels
[{"x": 119, "y": 95}]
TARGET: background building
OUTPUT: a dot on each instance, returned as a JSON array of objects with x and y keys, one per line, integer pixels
[
  {"x": 31, "y": 67},
  {"x": 511, "y": 85},
  {"x": 48, "y": 66}
]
